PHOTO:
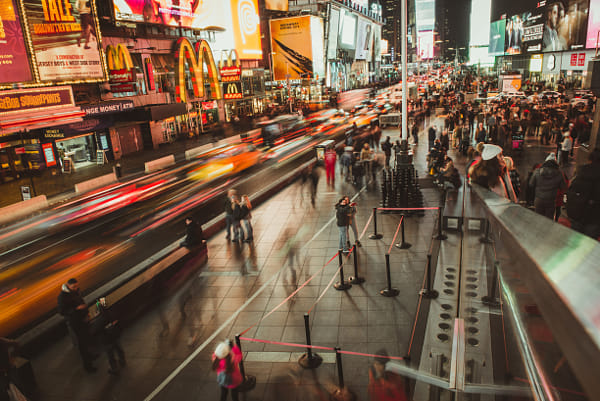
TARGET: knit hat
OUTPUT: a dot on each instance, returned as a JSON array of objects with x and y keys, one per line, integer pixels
[
  {"x": 551, "y": 156},
  {"x": 490, "y": 151},
  {"x": 223, "y": 349}
]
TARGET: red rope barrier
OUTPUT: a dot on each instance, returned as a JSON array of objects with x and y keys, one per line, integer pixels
[
  {"x": 412, "y": 335},
  {"x": 330, "y": 282},
  {"x": 291, "y": 295},
  {"x": 395, "y": 235},
  {"x": 366, "y": 226},
  {"x": 397, "y": 358},
  {"x": 407, "y": 208}
]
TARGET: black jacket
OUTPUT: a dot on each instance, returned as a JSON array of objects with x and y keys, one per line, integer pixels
[
  {"x": 68, "y": 301},
  {"x": 341, "y": 214},
  {"x": 589, "y": 174},
  {"x": 193, "y": 233},
  {"x": 228, "y": 207},
  {"x": 547, "y": 180}
]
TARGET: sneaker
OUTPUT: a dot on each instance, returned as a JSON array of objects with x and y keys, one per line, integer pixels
[{"x": 345, "y": 251}]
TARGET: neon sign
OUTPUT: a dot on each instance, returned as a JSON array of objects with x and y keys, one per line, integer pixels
[{"x": 185, "y": 52}]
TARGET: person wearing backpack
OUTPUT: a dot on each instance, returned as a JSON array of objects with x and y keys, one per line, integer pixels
[
  {"x": 583, "y": 197},
  {"x": 226, "y": 363},
  {"x": 545, "y": 183}
]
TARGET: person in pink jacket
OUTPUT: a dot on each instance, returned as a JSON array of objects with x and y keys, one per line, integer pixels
[
  {"x": 330, "y": 158},
  {"x": 226, "y": 360}
]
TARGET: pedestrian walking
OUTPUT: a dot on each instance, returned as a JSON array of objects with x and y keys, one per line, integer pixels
[
  {"x": 313, "y": 176},
  {"x": 341, "y": 215},
  {"x": 229, "y": 213},
  {"x": 352, "y": 221},
  {"x": 566, "y": 147},
  {"x": 238, "y": 232},
  {"x": 432, "y": 135},
  {"x": 387, "y": 150},
  {"x": 330, "y": 159},
  {"x": 545, "y": 183},
  {"x": 226, "y": 360},
  {"x": 109, "y": 333},
  {"x": 246, "y": 214},
  {"x": 75, "y": 312}
]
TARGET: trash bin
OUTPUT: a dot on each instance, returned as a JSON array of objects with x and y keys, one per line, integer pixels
[{"x": 321, "y": 148}]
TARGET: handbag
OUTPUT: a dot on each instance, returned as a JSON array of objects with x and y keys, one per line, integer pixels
[{"x": 224, "y": 379}]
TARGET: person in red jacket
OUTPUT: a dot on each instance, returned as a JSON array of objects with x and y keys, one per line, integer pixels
[
  {"x": 330, "y": 158},
  {"x": 226, "y": 363}
]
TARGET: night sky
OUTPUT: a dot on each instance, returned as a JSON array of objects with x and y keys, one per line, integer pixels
[{"x": 459, "y": 12}]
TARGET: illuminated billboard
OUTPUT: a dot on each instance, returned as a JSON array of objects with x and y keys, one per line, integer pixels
[
  {"x": 347, "y": 30},
  {"x": 377, "y": 43},
  {"x": 65, "y": 39},
  {"x": 277, "y": 5},
  {"x": 231, "y": 24},
  {"x": 364, "y": 40},
  {"x": 425, "y": 15},
  {"x": 593, "y": 25},
  {"x": 14, "y": 64},
  {"x": 334, "y": 19},
  {"x": 497, "y": 31},
  {"x": 297, "y": 46},
  {"x": 535, "y": 63},
  {"x": 425, "y": 45},
  {"x": 565, "y": 25}
]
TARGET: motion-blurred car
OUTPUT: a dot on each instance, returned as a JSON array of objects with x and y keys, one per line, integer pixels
[{"x": 233, "y": 159}]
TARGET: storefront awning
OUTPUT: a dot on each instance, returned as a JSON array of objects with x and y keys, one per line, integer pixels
[{"x": 27, "y": 121}]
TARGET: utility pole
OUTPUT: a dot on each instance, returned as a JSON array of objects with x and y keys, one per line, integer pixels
[{"x": 404, "y": 73}]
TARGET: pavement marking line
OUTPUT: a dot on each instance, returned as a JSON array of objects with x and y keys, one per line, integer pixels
[
  {"x": 201, "y": 347},
  {"x": 280, "y": 356}
]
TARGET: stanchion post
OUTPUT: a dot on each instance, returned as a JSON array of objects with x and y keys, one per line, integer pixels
[
  {"x": 375, "y": 235},
  {"x": 427, "y": 292},
  {"x": 356, "y": 279},
  {"x": 403, "y": 244},
  {"x": 440, "y": 235},
  {"x": 249, "y": 381},
  {"x": 342, "y": 285},
  {"x": 389, "y": 291},
  {"x": 490, "y": 299},
  {"x": 309, "y": 360},
  {"x": 342, "y": 393}
]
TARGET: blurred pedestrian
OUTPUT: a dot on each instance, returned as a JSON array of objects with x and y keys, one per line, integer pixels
[
  {"x": 352, "y": 221},
  {"x": 226, "y": 360},
  {"x": 515, "y": 179},
  {"x": 75, "y": 312},
  {"x": 229, "y": 212},
  {"x": 246, "y": 214},
  {"x": 383, "y": 384},
  {"x": 108, "y": 331},
  {"x": 238, "y": 232},
  {"x": 387, "y": 150},
  {"x": 313, "y": 176},
  {"x": 193, "y": 233},
  {"x": 330, "y": 159},
  {"x": 566, "y": 147}
]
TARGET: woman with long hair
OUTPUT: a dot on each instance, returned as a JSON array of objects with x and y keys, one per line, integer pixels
[
  {"x": 226, "y": 359},
  {"x": 491, "y": 173}
]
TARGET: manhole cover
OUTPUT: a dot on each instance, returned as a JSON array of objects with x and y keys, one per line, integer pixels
[
  {"x": 446, "y": 306},
  {"x": 448, "y": 283},
  {"x": 471, "y": 294},
  {"x": 448, "y": 291},
  {"x": 450, "y": 276},
  {"x": 442, "y": 337},
  {"x": 472, "y": 279},
  {"x": 473, "y": 330},
  {"x": 472, "y": 319},
  {"x": 472, "y": 341},
  {"x": 471, "y": 271},
  {"x": 444, "y": 326},
  {"x": 450, "y": 269},
  {"x": 471, "y": 286},
  {"x": 445, "y": 316}
]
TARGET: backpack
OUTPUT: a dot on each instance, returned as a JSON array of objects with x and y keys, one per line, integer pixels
[
  {"x": 579, "y": 199},
  {"x": 224, "y": 379}
]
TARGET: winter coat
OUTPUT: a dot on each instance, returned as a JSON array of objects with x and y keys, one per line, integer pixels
[
  {"x": 547, "y": 180},
  {"x": 236, "y": 358},
  {"x": 341, "y": 214},
  {"x": 68, "y": 301}
]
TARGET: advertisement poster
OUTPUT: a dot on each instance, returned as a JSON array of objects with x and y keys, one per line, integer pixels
[
  {"x": 497, "y": 31},
  {"x": 64, "y": 39},
  {"x": 277, "y": 5},
  {"x": 364, "y": 40},
  {"x": 565, "y": 25},
  {"x": 511, "y": 83},
  {"x": 425, "y": 45},
  {"x": 14, "y": 65},
  {"x": 231, "y": 24},
  {"x": 334, "y": 19},
  {"x": 347, "y": 30},
  {"x": 523, "y": 32},
  {"x": 377, "y": 45},
  {"x": 292, "y": 48},
  {"x": 593, "y": 25}
]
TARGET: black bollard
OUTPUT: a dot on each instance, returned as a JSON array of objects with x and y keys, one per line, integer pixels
[
  {"x": 375, "y": 235},
  {"x": 441, "y": 236},
  {"x": 356, "y": 279},
  {"x": 342, "y": 393},
  {"x": 403, "y": 244},
  {"x": 427, "y": 292},
  {"x": 249, "y": 381},
  {"x": 309, "y": 360},
  {"x": 490, "y": 299},
  {"x": 341, "y": 285},
  {"x": 389, "y": 291}
]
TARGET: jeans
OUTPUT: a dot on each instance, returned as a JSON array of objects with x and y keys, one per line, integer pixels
[
  {"x": 228, "y": 224},
  {"x": 343, "y": 238},
  {"x": 354, "y": 230},
  {"x": 249, "y": 230},
  {"x": 238, "y": 233}
]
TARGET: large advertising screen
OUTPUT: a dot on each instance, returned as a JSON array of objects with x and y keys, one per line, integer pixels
[
  {"x": 497, "y": 31},
  {"x": 233, "y": 24},
  {"x": 523, "y": 32},
  {"x": 277, "y": 5},
  {"x": 425, "y": 45},
  {"x": 332, "y": 37},
  {"x": 347, "y": 30},
  {"x": 593, "y": 25},
  {"x": 377, "y": 45},
  {"x": 364, "y": 40},
  {"x": 292, "y": 48},
  {"x": 565, "y": 25},
  {"x": 425, "y": 15},
  {"x": 14, "y": 65},
  {"x": 65, "y": 39}
]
